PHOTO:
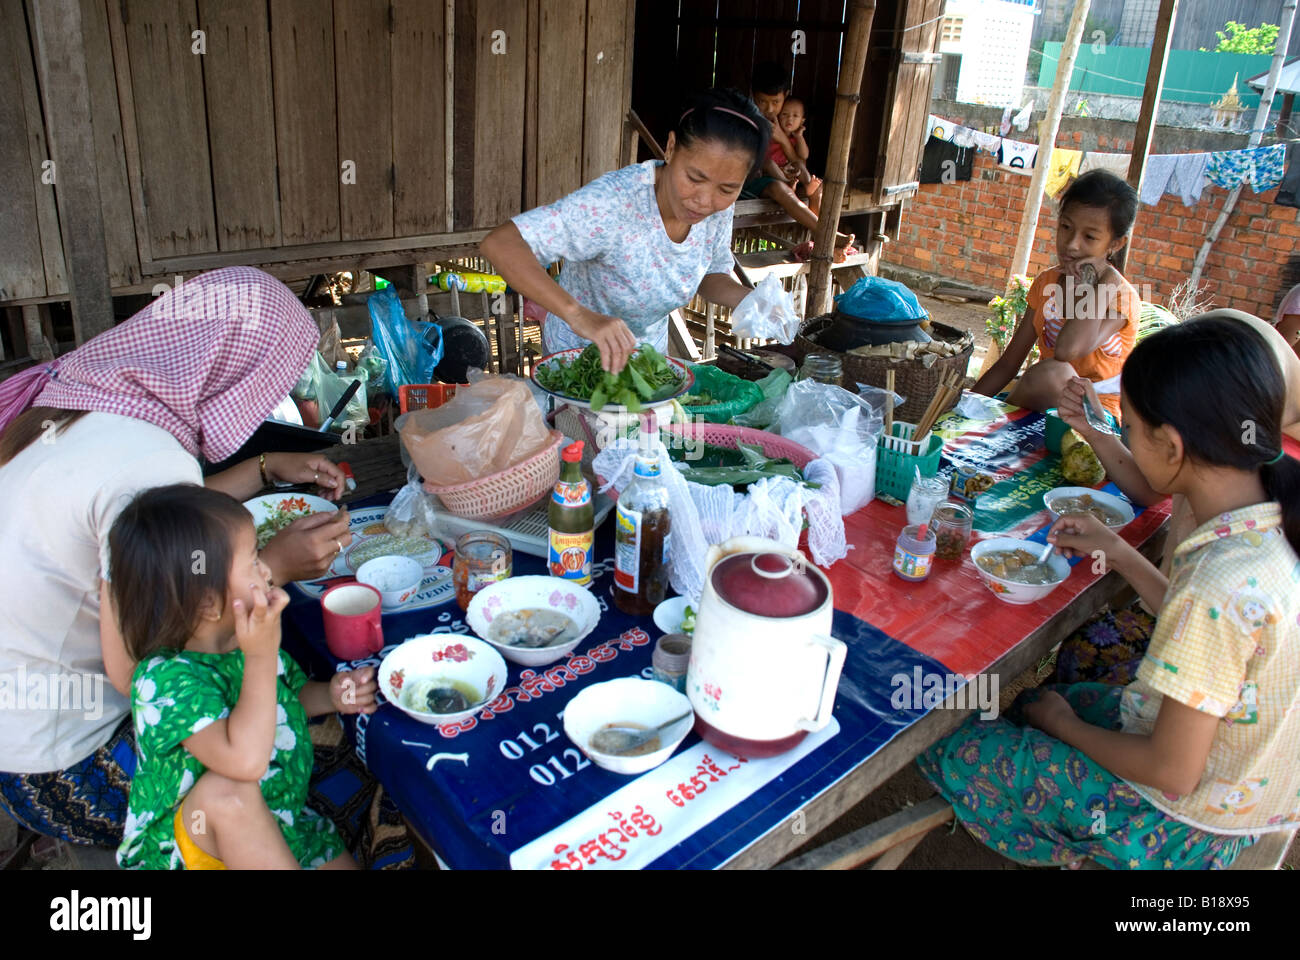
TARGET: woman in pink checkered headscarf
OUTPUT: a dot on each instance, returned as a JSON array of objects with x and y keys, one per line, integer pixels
[{"x": 190, "y": 376}]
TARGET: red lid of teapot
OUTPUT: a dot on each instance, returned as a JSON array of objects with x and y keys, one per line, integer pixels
[{"x": 768, "y": 584}]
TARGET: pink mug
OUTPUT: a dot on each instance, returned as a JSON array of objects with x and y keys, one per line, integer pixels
[{"x": 352, "y": 620}]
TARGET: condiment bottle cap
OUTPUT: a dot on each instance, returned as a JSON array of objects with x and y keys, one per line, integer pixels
[{"x": 573, "y": 452}]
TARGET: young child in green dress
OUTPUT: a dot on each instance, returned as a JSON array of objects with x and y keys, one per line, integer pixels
[
  {"x": 1192, "y": 761},
  {"x": 220, "y": 710}
]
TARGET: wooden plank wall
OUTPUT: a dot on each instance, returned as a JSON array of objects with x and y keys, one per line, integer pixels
[
  {"x": 22, "y": 269},
  {"x": 739, "y": 35},
  {"x": 212, "y": 156}
]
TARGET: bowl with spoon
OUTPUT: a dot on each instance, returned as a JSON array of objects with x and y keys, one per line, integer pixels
[{"x": 628, "y": 725}]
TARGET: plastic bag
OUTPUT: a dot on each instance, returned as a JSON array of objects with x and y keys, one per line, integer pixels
[
  {"x": 413, "y": 512},
  {"x": 767, "y": 312},
  {"x": 411, "y": 349},
  {"x": 880, "y": 399},
  {"x": 840, "y": 427},
  {"x": 774, "y": 386},
  {"x": 322, "y": 386},
  {"x": 702, "y": 516},
  {"x": 489, "y": 426}
]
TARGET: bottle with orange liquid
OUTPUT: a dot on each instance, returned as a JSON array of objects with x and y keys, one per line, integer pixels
[{"x": 571, "y": 518}]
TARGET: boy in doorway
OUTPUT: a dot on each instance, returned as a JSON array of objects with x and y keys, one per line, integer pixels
[{"x": 769, "y": 88}]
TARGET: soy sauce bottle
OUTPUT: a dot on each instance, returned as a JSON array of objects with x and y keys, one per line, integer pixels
[
  {"x": 571, "y": 519},
  {"x": 642, "y": 537}
]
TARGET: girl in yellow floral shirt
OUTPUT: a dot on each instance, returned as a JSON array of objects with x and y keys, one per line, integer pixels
[{"x": 1187, "y": 765}]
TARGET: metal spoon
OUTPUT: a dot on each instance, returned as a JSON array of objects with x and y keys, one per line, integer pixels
[
  {"x": 623, "y": 740},
  {"x": 1098, "y": 423}
]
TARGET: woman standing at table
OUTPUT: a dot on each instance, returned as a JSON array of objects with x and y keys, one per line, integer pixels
[
  {"x": 639, "y": 242},
  {"x": 190, "y": 376}
]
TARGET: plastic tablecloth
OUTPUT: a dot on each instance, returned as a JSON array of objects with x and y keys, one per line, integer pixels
[{"x": 483, "y": 789}]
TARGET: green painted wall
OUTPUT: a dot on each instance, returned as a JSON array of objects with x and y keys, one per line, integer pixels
[{"x": 1190, "y": 76}]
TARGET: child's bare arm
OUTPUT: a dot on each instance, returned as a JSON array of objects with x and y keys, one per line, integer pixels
[
  {"x": 1008, "y": 365},
  {"x": 352, "y": 691},
  {"x": 1093, "y": 320},
  {"x": 770, "y": 169},
  {"x": 239, "y": 746},
  {"x": 1172, "y": 758},
  {"x": 799, "y": 146}
]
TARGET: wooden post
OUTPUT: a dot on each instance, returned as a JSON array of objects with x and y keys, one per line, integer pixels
[
  {"x": 1151, "y": 93},
  {"x": 1155, "y": 85},
  {"x": 1047, "y": 137},
  {"x": 848, "y": 94},
  {"x": 1256, "y": 134},
  {"x": 1284, "y": 118},
  {"x": 66, "y": 92}
]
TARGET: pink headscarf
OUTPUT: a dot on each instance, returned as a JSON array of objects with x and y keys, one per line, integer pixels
[{"x": 206, "y": 361}]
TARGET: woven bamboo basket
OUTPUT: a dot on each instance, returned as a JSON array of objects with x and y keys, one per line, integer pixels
[
  {"x": 912, "y": 379},
  {"x": 505, "y": 492}
]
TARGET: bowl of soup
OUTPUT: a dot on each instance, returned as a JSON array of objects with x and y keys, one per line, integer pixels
[
  {"x": 533, "y": 621},
  {"x": 1111, "y": 510},
  {"x": 629, "y": 702},
  {"x": 1010, "y": 569},
  {"x": 442, "y": 678}
]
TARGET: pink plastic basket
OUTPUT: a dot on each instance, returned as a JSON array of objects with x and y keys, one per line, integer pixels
[
  {"x": 505, "y": 492},
  {"x": 726, "y": 435}
]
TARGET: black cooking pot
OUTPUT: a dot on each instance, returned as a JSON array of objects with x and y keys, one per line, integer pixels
[
  {"x": 845, "y": 331},
  {"x": 464, "y": 346}
]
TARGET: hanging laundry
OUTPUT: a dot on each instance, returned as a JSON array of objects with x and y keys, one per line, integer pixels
[
  {"x": 1261, "y": 167},
  {"x": 1288, "y": 192},
  {"x": 1188, "y": 179},
  {"x": 939, "y": 127},
  {"x": 944, "y": 162},
  {"x": 1021, "y": 120},
  {"x": 1063, "y": 167},
  {"x": 968, "y": 137},
  {"x": 1005, "y": 127},
  {"x": 1017, "y": 156},
  {"x": 1116, "y": 163}
]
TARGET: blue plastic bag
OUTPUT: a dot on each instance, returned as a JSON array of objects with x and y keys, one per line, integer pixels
[
  {"x": 411, "y": 348},
  {"x": 881, "y": 301}
]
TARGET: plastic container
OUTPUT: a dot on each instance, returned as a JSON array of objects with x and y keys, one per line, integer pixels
[
  {"x": 895, "y": 469},
  {"x": 734, "y": 396},
  {"x": 952, "y": 530},
  {"x": 421, "y": 396},
  {"x": 1054, "y": 430},
  {"x": 925, "y": 494},
  {"x": 913, "y": 554}
]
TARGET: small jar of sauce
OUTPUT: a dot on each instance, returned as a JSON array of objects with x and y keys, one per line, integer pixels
[
  {"x": 914, "y": 552},
  {"x": 482, "y": 558}
]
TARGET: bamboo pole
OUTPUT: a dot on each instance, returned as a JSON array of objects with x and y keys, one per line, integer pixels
[
  {"x": 1256, "y": 134},
  {"x": 1150, "y": 103},
  {"x": 835, "y": 182},
  {"x": 1047, "y": 137}
]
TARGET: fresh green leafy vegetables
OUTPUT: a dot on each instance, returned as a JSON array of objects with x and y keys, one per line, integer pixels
[{"x": 647, "y": 377}]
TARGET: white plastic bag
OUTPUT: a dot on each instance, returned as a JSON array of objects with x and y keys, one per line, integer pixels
[
  {"x": 413, "y": 512},
  {"x": 841, "y": 428},
  {"x": 702, "y": 516},
  {"x": 767, "y": 312}
]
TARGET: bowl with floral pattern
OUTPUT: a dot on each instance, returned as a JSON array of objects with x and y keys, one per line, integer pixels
[
  {"x": 533, "y": 620},
  {"x": 442, "y": 678}
]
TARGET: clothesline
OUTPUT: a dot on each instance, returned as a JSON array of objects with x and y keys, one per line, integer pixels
[{"x": 1184, "y": 174}]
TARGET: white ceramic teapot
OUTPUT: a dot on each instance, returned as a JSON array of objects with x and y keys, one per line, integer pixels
[{"x": 764, "y": 668}]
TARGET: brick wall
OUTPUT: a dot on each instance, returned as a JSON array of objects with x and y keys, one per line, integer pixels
[{"x": 966, "y": 231}]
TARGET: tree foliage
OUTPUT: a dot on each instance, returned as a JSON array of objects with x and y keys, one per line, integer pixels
[{"x": 1238, "y": 38}]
